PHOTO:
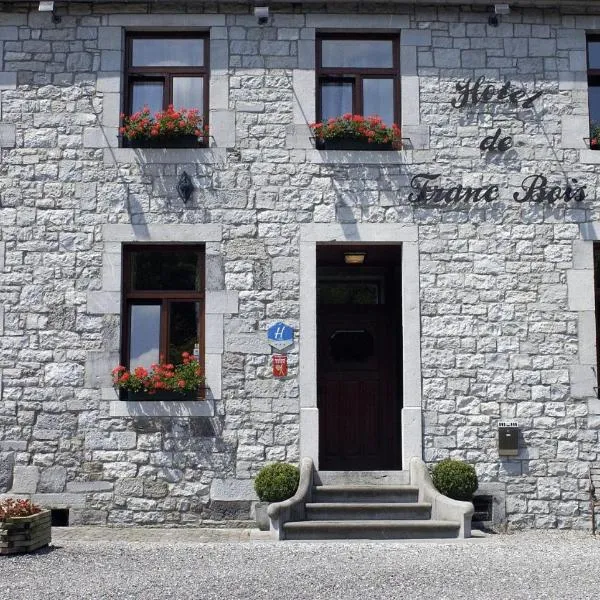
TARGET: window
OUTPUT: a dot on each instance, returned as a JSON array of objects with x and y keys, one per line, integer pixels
[
  {"x": 163, "y": 304},
  {"x": 167, "y": 69},
  {"x": 358, "y": 74},
  {"x": 593, "y": 63}
]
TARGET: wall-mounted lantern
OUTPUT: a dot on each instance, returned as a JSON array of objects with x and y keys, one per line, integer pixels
[{"x": 185, "y": 187}]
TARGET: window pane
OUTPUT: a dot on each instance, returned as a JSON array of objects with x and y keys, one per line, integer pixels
[
  {"x": 357, "y": 53},
  {"x": 343, "y": 292},
  {"x": 379, "y": 99},
  {"x": 351, "y": 345},
  {"x": 594, "y": 103},
  {"x": 188, "y": 92},
  {"x": 144, "y": 334},
  {"x": 170, "y": 52},
  {"x": 594, "y": 55},
  {"x": 147, "y": 93},
  {"x": 336, "y": 99},
  {"x": 183, "y": 329},
  {"x": 165, "y": 271}
]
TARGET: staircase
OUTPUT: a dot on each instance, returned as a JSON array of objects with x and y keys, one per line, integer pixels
[
  {"x": 374, "y": 505},
  {"x": 373, "y": 511}
]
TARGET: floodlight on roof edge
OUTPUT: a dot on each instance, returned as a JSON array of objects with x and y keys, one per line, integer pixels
[{"x": 48, "y": 6}]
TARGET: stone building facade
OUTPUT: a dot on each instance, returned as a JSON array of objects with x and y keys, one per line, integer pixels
[{"x": 492, "y": 251}]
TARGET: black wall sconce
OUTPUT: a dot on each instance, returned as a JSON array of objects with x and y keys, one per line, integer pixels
[{"x": 185, "y": 187}]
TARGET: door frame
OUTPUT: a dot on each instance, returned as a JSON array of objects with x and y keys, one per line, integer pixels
[{"x": 312, "y": 235}]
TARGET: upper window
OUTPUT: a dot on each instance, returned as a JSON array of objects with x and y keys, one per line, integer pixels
[
  {"x": 163, "y": 70},
  {"x": 163, "y": 304},
  {"x": 358, "y": 74},
  {"x": 593, "y": 61}
]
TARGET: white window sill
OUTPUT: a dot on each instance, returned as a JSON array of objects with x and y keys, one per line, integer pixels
[
  {"x": 164, "y": 155},
  {"x": 359, "y": 157},
  {"x": 154, "y": 408},
  {"x": 589, "y": 157}
]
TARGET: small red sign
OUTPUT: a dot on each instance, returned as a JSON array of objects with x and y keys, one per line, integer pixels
[{"x": 280, "y": 367}]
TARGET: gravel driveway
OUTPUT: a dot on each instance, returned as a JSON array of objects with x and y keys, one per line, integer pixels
[{"x": 159, "y": 564}]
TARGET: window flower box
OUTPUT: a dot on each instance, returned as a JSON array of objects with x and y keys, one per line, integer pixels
[
  {"x": 163, "y": 382},
  {"x": 164, "y": 396},
  {"x": 23, "y": 533},
  {"x": 171, "y": 128},
  {"x": 355, "y": 132},
  {"x": 351, "y": 144},
  {"x": 166, "y": 141}
]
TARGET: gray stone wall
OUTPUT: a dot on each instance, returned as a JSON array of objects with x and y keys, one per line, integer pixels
[{"x": 501, "y": 330}]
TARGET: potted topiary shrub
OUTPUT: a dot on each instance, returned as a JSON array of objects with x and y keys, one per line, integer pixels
[
  {"x": 274, "y": 483},
  {"x": 24, "y": 527},
  {"x": 455, "y": 479}
]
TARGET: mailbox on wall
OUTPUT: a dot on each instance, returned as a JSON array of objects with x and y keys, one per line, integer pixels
[{"x": 508, "y": 438}]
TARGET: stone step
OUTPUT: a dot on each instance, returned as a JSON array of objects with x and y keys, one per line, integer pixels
[
  {"x": 370, "y": 530},
  {"x": 362, "y": 478},
  {"x": 364, "y": 493},
  {"x": 372, "y": 511}
]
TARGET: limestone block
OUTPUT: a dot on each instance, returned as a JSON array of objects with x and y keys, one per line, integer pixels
[
  {"x": 232, "y": 489},
  {"x": 8, "y": 81},
  {"x": 84, "y": 487},
  {"x": 574, "y": 128},
  {"x": 7, "y": 462},
  {"x": 25, "y": 480},
  {"x": 63, "y": 374},
  {"x": 52, "y": 480},
  {"x": 59, "y": 500},
  {"x": 87, "y": 516},
  {"x": 7, "y": 135},
  {"x": 155, "y": 489}
]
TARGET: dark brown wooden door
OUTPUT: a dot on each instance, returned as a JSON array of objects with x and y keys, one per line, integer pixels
[{"x": 358, "y": 399}]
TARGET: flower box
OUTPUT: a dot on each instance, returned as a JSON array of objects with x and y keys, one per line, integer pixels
[
  {"x": 25, "y": 534},
  {"x": 166, "y": 141},
  {"x": 355, "y": 132},
  {"x": 164, "y": 396},
  {"x": 353, "y": 144}
]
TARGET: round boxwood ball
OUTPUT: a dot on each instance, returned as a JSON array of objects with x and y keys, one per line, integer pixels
[
  {"x": 455, "y": 479},
  {"x": 277, "y": 482}
]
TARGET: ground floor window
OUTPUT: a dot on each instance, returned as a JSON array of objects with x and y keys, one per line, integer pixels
[{"x": 163, "y": 303}]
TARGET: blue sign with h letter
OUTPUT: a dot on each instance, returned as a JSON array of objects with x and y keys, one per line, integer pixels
[{"x": 280, "y": 335}]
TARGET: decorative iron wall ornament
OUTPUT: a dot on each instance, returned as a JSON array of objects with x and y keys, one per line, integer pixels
[{"x": 185, "y": 187}]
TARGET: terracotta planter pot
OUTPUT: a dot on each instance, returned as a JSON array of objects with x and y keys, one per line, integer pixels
[
  {"x": 165, "y": 141},
  {"x": 352, "y": 144},
  {"x": 25, "y": 534}
]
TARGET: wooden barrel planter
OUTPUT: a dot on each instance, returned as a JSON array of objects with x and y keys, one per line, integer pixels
[{"x": 25, "y": 534}]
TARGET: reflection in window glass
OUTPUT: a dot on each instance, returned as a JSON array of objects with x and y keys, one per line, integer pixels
[
  {"x": 336, "y": 99},
  {"x": 357, "y": 53},
  {"x": 594, "y": 55},
  {"x": 165, "y": 271},
  {"x": 379, "y": 98},
  {"x": 346, "y": 292},
  {"x": 188, "y": 92},
  {"x": 351, "y": 345},
  {"x": 183, "y": 328},
  {"x": 594, "y": 103},
  {"x": 147, "y": 93},
  {"x": 171, "y": 52},
  {"x": 144, "y": 335}
]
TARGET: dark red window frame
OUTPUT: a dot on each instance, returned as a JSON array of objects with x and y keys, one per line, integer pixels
[
  {"x": 166, "y": 74},
  {"x": 164, "y": 297},
  {"x": 325, "y": 74},
  {"x": 593, "y": 74}
]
